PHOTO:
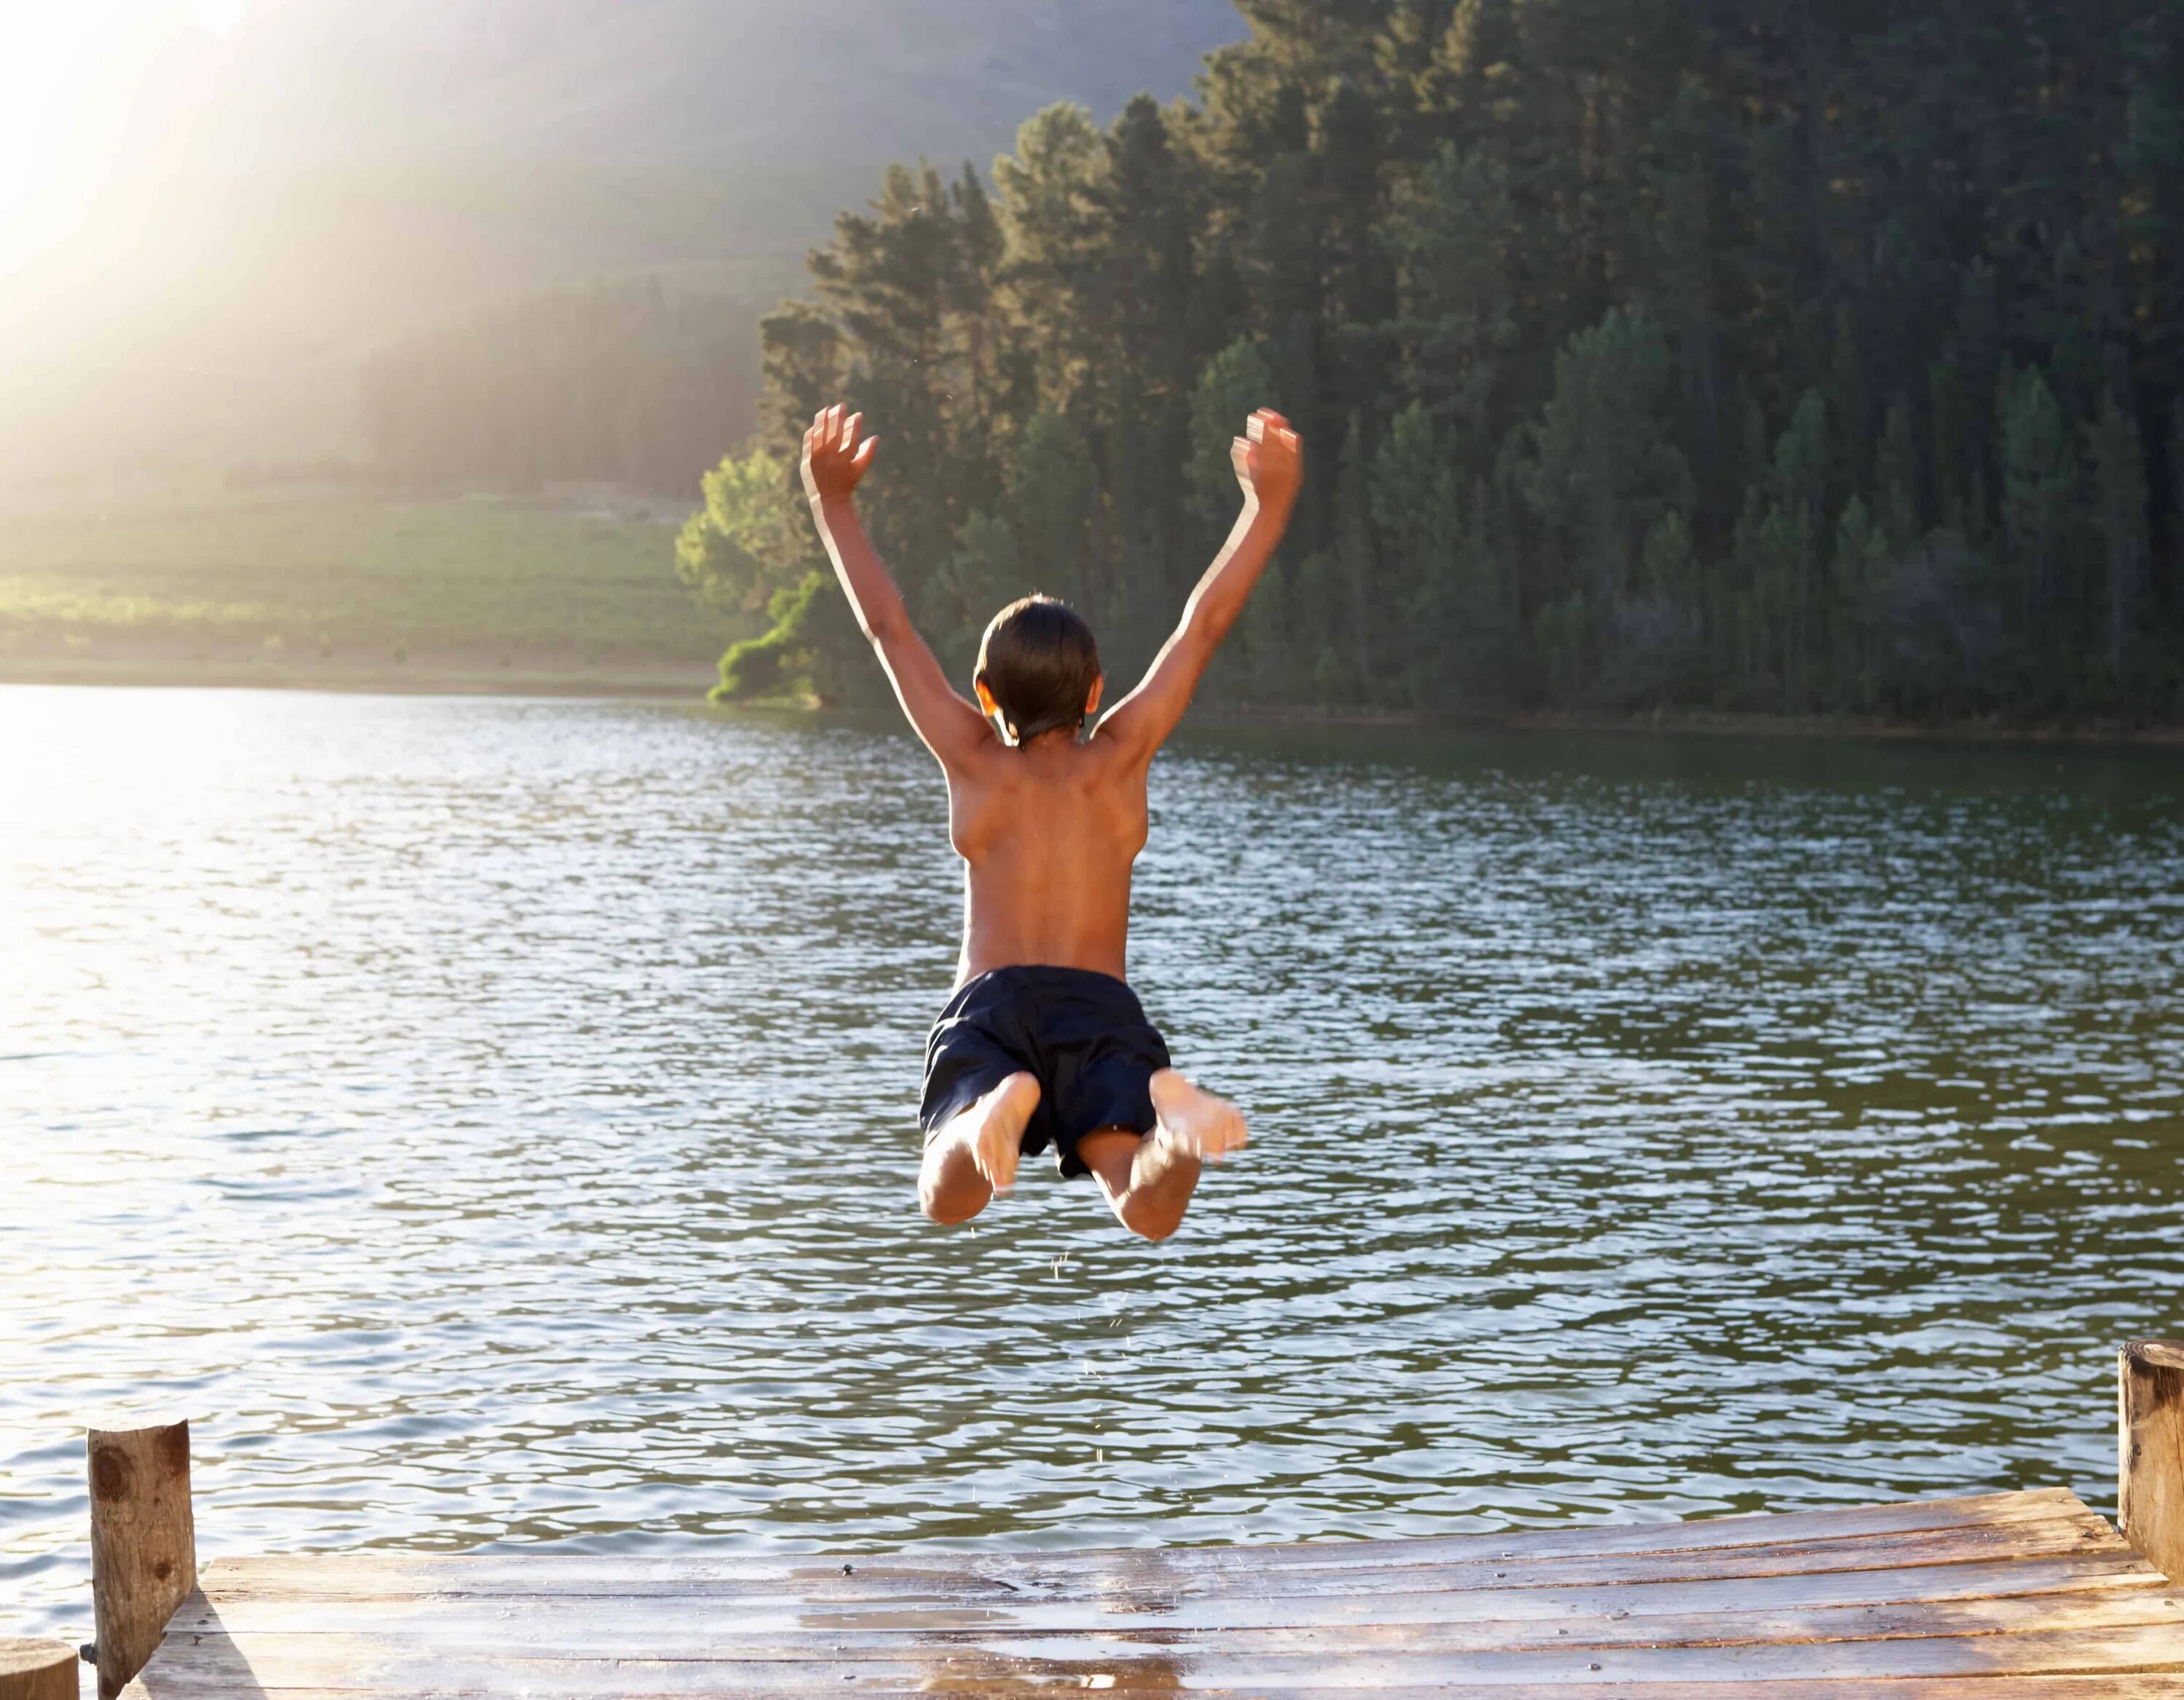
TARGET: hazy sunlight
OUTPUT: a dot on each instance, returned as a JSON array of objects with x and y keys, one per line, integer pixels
[{"x": 73, "y": 80}]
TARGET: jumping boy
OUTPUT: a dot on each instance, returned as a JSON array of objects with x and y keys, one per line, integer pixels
[{"x": 1043, "y": 1042}]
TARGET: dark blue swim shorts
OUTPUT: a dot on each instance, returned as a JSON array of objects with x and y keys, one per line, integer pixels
[{"x": 1084, "y": 1034}]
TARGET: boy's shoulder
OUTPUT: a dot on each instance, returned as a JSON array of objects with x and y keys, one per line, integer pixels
[{"x": 1086, "y": 763}]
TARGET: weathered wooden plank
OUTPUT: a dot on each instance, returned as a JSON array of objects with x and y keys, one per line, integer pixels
[
  {"x": 1914, "y": 1687},
  {"x": 1033, "y": 1575},
  {"x": 1100, "y": 1608},
  {"x": 720, "y": 1635},
  {"x": 368, "y": 1663},
  {"x": 2043, "y": 1506},
  {"x": 2107, "y": 1687},
  {"x": 2150, "y": 1451}
]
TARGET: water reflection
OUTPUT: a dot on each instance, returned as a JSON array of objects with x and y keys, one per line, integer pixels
[{"x": 490, "y": 1121}]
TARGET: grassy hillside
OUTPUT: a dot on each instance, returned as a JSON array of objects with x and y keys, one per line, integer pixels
[{"x": 343, "y": 589}]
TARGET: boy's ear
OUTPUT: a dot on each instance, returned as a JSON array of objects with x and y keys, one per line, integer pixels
[
  {"x": 986, "y": 706},
  {"x": 1092, "y": 697}
]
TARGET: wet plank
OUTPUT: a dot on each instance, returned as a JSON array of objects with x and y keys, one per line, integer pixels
[
  {"x": 1947, "y": 1687},
  {"x": 2029, "y": 1597},
  {"x": 773, "y": 1611},
  {"x": 388, "y": 1665},
  {"x": 2056, "y": 1507},
  {"x": 1144, "y": 1574},
  {"x": 610, "y": 1633}
]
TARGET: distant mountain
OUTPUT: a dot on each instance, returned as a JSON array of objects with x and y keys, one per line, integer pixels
[{"x": 339, "y": 171}]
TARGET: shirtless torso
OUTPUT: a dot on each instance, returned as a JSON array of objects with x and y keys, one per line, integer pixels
[
  {"x": 1048, "y": 833},
  {"x": 1048, "y": 828}
]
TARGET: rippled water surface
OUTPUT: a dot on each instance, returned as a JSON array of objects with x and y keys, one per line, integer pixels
[{"x": 491, "y": 1121}]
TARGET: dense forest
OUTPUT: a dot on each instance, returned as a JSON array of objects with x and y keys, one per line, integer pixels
[
  {"x": 632, "y": 384},
  {"x": 1707, "y": 354}
]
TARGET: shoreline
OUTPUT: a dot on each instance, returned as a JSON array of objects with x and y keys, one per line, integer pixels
[
  {"x": 662, "y": 679},
  {"x": 1713, "y": 724},
  {"x": 430, "y": 674},
  {"x": 1862, "y": 727}
]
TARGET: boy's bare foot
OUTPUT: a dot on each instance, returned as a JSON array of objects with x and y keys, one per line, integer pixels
[
  {"x": 992, "y": 1129},
  {"x": 975, "y": 1155},
  {"x": 1196, "y": 1122},
  {"x": 1193, "y": 1124}
]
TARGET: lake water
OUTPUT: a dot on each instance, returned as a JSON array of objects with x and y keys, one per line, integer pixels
[{"x": 491, "y": 1121}]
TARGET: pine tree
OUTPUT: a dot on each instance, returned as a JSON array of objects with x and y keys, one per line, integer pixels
[
  {"x": 1864, "y": 574},
  {"x": 1050, "y": 497},
  {"x": 1603, "y": 468},
  {"x": 983, "y": 575},
  {"x": 1233, "y": 384},
  {"x": 1430, "y": 589},
  {"x": 1849, "y": 447},
  {"x": 804, "y": 359},
  {"x": 1796, "y": 540},
  {"x": 2119, "y": 456},
  {"x": 1895, "y": 479},
  {"x": 1448, "y": 232},
  {"x": 1361, "y": 610},
  {"x": 1692, "y": 353},
  {"x": 2039, "y": 486}
]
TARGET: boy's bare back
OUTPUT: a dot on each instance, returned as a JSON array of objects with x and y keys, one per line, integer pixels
[{"x": 1047, "y": 833}]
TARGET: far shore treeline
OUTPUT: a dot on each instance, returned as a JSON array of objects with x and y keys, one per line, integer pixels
[{"x": 1784, "y": 358}]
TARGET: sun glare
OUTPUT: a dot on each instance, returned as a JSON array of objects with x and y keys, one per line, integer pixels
[
  {"x": 216, "y": 16},
  {"x": 72, "y": 78}
]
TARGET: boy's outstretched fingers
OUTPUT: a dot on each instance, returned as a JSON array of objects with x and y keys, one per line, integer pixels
[
  {"x": 834, "y": 460},
  {"x": 1269, "y": 458}
]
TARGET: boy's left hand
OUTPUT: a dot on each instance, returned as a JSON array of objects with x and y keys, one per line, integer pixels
[
  {"x": 834, "y": 458},
  {"x": 1269, "y": 461}
]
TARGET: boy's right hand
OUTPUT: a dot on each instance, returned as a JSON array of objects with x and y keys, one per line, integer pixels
[
  {"x": 1269, "y": 461},
  {"x": 834, "y": 459}
]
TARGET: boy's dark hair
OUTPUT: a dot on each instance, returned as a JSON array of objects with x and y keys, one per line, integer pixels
[{"x": 1038, "y": 660}]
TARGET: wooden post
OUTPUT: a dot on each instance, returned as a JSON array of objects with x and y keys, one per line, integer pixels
[
  {"x": 2150, "y": 1452},
  {"x": 143, "y": 1543},
  {"x": 38, "y": 1670}
]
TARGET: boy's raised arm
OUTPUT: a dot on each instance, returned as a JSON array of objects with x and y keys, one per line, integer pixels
[
  {"x": 834, "y": 461},
  {"x": 1269, "y": 462}
]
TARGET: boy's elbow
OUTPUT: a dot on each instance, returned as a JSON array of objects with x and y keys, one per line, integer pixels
[{"x": 1206, "y": 628}]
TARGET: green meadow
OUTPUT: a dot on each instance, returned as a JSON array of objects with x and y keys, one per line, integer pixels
[{"x": 343, "y": 588}]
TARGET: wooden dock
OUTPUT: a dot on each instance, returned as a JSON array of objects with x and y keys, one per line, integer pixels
[
  {"x": 2027, "y": 1595},
  {"x": 2023, "y": 1595}
]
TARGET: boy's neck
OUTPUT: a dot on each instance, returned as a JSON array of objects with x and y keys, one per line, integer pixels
[{"x": 1054, "y": 737}]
